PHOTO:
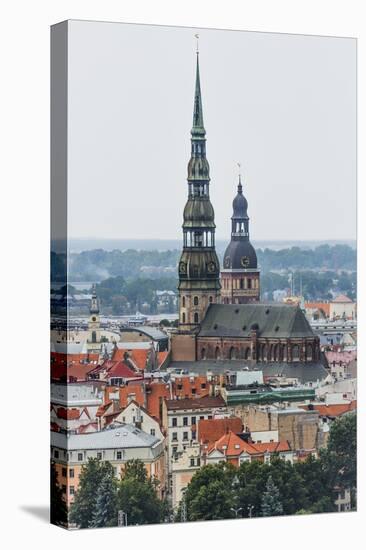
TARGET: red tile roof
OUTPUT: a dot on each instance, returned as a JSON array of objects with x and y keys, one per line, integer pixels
[
  {"x": 332, "y": 410},
  {"x": 342, "y": 299},
  {"x": 138, "y": 356},
  {"x": 162, "y": 357},
  {"x": 68, "y": 414},
  {"x": 231, "y": 445},
  {"x": 340, "y": 356},
  {"x": 210, "y": 431},
  {"x": 324, "y": 306},
  {"x": 114, "y": 369},
  {"x": 190, "y": 386},
  {"x": 72, "y": 367}
]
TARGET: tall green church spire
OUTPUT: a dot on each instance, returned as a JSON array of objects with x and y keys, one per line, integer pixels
[
  {"x": 199, "y": 268},
  {"x": 198, "y": 127}
]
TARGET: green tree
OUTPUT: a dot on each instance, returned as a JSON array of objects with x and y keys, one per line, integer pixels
[
  {"x": 137, "y": 496},
  {"x": 271, "y": 502},
  {"x": 105, "y": 512},
  {"x": 340, "y": 457},
  {"x": 84, "y": 506},
  {"x": 57, "y": 504},
  {"x": 210, "y": 494}
]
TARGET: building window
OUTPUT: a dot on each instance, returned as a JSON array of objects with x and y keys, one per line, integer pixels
[
  {"x": 217, "y": 353},
  {"x": 174, "y": 422},
  {"x": 209, "y": 417},
  {"x": 210, "y": 299},
  {"x": 195, "y": 301},
  {"x": 193, "y": 420},
  {"x": 198, "y": 461},
  {"x": 232, "y": 353},
  {"x": 203, "y": 353},
  {"x": 64, "y": 472},
  {"x": 295, "y": 352},
  {"x": 56, "y": 453},
  {"x": 183, "y": 317},
  {"x": 192, "y": 461},
  {"x": 119, "y": 455},
  {"x": 241, "y": 284},
  {"x": 309, "y": 352},
  {"x": 196, "y": 317},
  {"x": 249, "y": 283},
  {"x": 80, "y": 457},
  {"x": 64, "y": 489},
  {"x": 185, "y": 436},
  {"x": 175, "y": 450},
  {"x": 247, "y": 354},
  {"x": 99, "y": 456},
  {"x": 202, "y": 417},
  {"x": 174, "y": 436},
  {"x": 183, "y": 301},
  {"x": 152, "y": 431},
  {"x": 194, "y": 391},
  {"x": 193, "y": 435},
  {"x": 185, "y": 420},
  {"x": 71, "y": 472},
  {"x": 203, "y": 385},
  {"x": 72, "y": 490}
]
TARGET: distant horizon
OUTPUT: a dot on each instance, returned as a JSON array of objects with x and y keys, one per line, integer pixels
[{"x": 80, "y": 244}]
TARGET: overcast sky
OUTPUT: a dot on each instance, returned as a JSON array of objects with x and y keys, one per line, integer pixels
[{"x": 282, "y": 105}]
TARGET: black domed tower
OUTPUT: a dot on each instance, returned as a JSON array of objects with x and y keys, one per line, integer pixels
[
  {"x": 199, "y": 268},
  {"x": 240, "y": 275}
]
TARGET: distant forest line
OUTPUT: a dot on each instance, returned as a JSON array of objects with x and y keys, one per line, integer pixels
[
  {"x": 128, "y": 281},
  {"x": 99, "y": 264}
]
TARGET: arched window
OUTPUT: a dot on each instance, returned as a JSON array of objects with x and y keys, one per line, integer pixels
[
  {"x": 241, "y": 284},
  {"x": 295, "y": 352},
  {"x": 196, "y": 317},
  {"x": 265, "y": 352},
  {"x": 247, "y": 354},
  {"x": 249, "y": 283},
  {"x": 184, "y": 301},
  {"x": 217, "y": 353},
  {"x": 94, "y": 337},
  {"x": 210, "y": 299},
  {"x": 203, "y": 353},
  {"x": 276, "y": 352},
  {"x": 284, "y": 352},
  {"x": 232, "y": 353},
  {"x": 183, "y": 317},
  {"x": 309, "y": 352},
  {"x": 195, "y": 301}
]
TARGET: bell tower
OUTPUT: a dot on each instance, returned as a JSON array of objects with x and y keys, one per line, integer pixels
[
  {"x": 199, "y": 268},
  {"x": 240, "y": 274},
  {"x": 94, "y": 331}
]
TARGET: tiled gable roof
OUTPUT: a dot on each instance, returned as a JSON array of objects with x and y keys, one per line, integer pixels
[
  {"x": 270, "y": 321},
  {"x": 211, "y": 430}
]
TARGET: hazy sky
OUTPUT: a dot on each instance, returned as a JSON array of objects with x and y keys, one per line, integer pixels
[{"x": 282, "y": 105}]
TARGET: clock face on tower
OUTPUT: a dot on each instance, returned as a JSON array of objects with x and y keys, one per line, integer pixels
[
  {"x": 244, "y": 261},
  {"x": 182, "y": 267},
  {"x": 211, "y": 267}
]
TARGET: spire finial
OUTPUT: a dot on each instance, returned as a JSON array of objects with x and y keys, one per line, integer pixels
[
  {"x": 197, "y": 37},
  {"x": 240, "y": 187}
]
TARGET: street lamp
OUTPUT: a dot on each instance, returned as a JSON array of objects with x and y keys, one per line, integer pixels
[
  {"x": 250, "y": 510},
  {"x": 236, "y": 511}
]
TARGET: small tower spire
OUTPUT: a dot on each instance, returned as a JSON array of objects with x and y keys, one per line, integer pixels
[{"x": 240, "y": 187}]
